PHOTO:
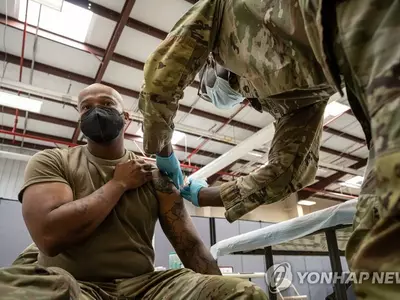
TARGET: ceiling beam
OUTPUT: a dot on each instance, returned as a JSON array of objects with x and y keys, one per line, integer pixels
[
  {"x": 14, "y": 23},
  {"x": 81, "y": 46},
  {"x": 41, "y": 135},
  {"x": 125, "y": 91},
  {"x": 214, "y": 178},
  {"x": 340, "y": 153},
  {"x": 119, "y": 27},
  {"x": 39, "y": 147},
  {"x": 73, "y": 124},
  {"x": 344, "y": 194},
  {"x": 342, "y": 134},
  {"x": 322, "y": 184},
  {"x": 325, "y": 197},
  {"x": 132, "y": 23}
]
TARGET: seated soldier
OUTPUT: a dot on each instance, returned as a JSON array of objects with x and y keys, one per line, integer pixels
[{"x": 91, "y": 211}]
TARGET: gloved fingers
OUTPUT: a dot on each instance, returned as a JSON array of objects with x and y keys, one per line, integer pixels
[
  {"x": 185, "y": 194},
  {"x": 203, "y": 183},
  {"x": 180, "y": 179}
]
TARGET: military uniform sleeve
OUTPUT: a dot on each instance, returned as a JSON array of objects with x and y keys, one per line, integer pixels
[
  {"x": 172, "y": 67},
  {"x": 293, "y": 163},
  {"x": 45, "y": 166}
]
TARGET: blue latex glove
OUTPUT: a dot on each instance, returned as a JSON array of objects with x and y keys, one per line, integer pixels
[
  {"x": 191, "y": 191},
  {"x": 172, "y": 167}
]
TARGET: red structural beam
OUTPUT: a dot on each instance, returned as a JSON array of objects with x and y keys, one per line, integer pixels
[
  {"x": 63, "y": 141},
  {"x": 322, "y": 184},
  {"x": 139, "y": 65},
  {"x": 126, "y": 11},
  {"x": 124, "y": 91}
]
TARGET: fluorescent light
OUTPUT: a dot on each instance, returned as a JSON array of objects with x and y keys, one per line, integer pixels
[
  {"x": 54, "y": 4},
  {"x": 354, "y": 182},
  {"x": 306, "y": 202},
  {"x": 19, "y": 102},
  {"x": 176, "y": 136},
  {"x": 256, "y": 154},
  {"x": 334, "y": 109},
  {"x": 58, "y": 21}
]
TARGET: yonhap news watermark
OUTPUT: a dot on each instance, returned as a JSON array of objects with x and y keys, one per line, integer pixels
[{"x": 279, "y": 277}]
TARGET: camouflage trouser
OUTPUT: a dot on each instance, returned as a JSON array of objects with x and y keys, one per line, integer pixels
[
  {"x": 368, "y": 53},
  {"x": 25, "y": 279}
]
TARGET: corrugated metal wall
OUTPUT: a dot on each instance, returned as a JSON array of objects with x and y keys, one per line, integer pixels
[
  {"x": 12, "y": 173},
  {"x": 14, "y": 236}
]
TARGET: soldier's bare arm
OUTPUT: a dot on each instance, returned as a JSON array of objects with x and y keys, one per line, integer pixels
[
  {"x": 179, "y": 229},
  {"x": 55, "y": 220}
]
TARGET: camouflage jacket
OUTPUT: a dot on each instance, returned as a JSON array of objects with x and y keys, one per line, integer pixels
[{"x": 264, "y": 42}]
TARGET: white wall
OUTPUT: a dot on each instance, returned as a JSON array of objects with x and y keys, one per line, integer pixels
[
  {"x": 14, "y": 236},
  {"x": 12, "y": 173}
]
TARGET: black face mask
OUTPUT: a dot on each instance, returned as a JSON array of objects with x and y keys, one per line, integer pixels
[{"x": 102, "y": 124}]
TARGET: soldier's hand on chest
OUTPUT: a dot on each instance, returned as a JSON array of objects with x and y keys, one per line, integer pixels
[{"x": 133, "y": 174}]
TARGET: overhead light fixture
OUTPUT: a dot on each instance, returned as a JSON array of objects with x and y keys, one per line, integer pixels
[
  {"x": 354, "y": 182},
  {"x": 54, "y": 4},
  {"x": 56, "y": 17},
  {"x": 19, "y": 102},
  {"x": 176, "y": 136},
  {"x": 306, "y": 202},
  {"x": 334, "y": 109},
  {"x": 256, "y": 154}
]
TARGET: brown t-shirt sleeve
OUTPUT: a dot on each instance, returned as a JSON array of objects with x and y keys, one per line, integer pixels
[{"x": 44, "y": 166}]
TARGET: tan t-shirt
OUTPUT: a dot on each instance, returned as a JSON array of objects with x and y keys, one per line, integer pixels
[{"x": 121, "y": 247}]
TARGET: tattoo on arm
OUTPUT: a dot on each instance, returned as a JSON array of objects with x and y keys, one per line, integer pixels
[
  {"x": 180, "y": 231},
  {"x": 163, "y": 184}
]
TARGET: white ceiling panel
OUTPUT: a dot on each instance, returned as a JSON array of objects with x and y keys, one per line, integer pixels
[
  {"x": 54, "y": 129},
  {"x": 144, "y": 11},
  {"x": 362, "y": 152},
  {"x": 124, "y": 76},
  {"x": 255, "y": 118},
  {"x": 59, "y": 111},
  {"x": 237, "y": 133},
  {"x": 67, "y": 58},
  {"x": 325, "y": 172},
  {"x": 326, "y": 157},
  {"x": 247, "y": 115},
  {"x": 204, "y": 124},
  {"x": 218, "y": 148},
  {"x": 11, "y": 41},
  {"x": 342, "y": 122},
  {"x": 100, "y": 31},
  {"x": 130, "y": 103},
  {"x": 115, "y": 5},
  {"x": 12, "y": 8},
  {"x": 32, "y": 141},
  {"x": 44, "y": 80},
  {"x": 136, "y": 44},
  {"x": 337, "y": 143}
]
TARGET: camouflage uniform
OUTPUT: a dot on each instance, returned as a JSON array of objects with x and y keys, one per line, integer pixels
[
  {"x": 275, "y": 63},
  {"x": 26, "y": 279},
  {"x": 360, "y": 39}
]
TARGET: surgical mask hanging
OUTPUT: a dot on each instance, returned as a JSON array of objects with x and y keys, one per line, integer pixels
[
  {"x": 102, "y": 124},
  {"x": 222, "y": 95}
]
